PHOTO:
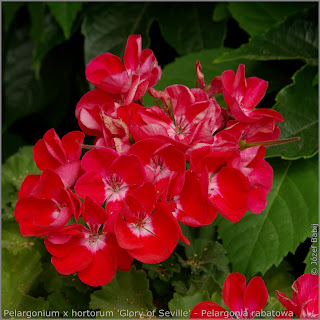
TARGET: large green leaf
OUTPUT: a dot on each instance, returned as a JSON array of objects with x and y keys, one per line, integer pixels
[
  {"x": 65, "y": 13},
  {"x": 9, "y": 10},
  {"x": 182, "y": 71},
  {"x": 180, "y": 306},
  {"x": 19, "y": 271},
  {"x": 257, "y": 242},
  {"x": 295, "y": 38},
  {"x": 106, "y": 27},
  {"x": 22, "y": 93},
  {"x": 189, "y": 27},
  {"x": 257, "y": 17},
  {"x": 51, "y": 37},
  {"x": 127, "y": 291},
  {"x": 298, "y": 103},
  {"x": 14, "y": 170}
]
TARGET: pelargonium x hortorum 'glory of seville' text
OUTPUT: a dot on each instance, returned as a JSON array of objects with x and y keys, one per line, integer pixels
[{"x": 132, "y": 188}]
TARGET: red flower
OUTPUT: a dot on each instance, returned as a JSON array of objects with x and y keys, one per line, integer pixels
[
  {"x": 129, "y": 81},
  {"x": 94, "y": 255},
  {"x": 44, "y": 206},
  {"x": 259, "y": 174},
  {"x": 109, "y": 177},
  {"x": 227, "y": 188},
  {"x": 147, "y": 230},
  {"x": 191, "y": 205},
  {"x": 190, "y": 117},
  {"x": 162, "y": 163},
  {"x": 305, "y": 297},
  {"x": 264, "y": 129},
  {"x": 243, "y": 95},
  {"x": 89, "y": 111},
  {"x": 63, "y": 155},
  {"x": 215, "y": 85},
  {"x": 244, "y": 300},
  {"x": 99, "y": 116}
]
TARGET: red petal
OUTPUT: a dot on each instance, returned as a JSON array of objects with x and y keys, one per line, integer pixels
[
  {"x": 158, "y": 247},
  {"x": 124, "y": 259},
  {"x": 287, "y": 303},
  {"x": 69, "y": 173},
  {"x": 255, "y": 91},
  {"x": 303, "y": 286},
  {"x": 195, "y": 209},
  {"x": 130, "y": 169},
  {"x": 77, "y": 259},
  {"x": 230, "y": 189},
  {"x": 132, "y": 53},
  {"x": 146, "y": 195},
  {"x": 43, "y": 158},
  {"x": 71, "y": 144},
  {"x": 102, "y": 66},
  {"x": 234, "y": 290},
  {"x": 91, "y": 184},
  {"x": 99, "y": 160},
  {"x": 101, "y": 270},
  {"x": 28, "y": 184},
  {"x": 48, "y": 186},
  {"x": 256, "y": 295},
  {"x": 126, "y": 239},
  {"x": 257, "y": 200},
  {"x": 93, "y": 214}
]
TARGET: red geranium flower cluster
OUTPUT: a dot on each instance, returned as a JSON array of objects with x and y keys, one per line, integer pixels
[{"x": 150, "y": 168}]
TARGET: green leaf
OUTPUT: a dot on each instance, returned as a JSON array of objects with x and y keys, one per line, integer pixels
[
  {"x": 204, "y": 282},
  {"x": 65, "y": 13},
  {"x": 257, "y": 242},
  {"x": 37, "y": 15},
  {"x": 164, "y": 270},
  {"x": 279, "y": 278},
  {"x": 221, "y": 12},
  {"x": 22, "y": 93},
  {"x": 12, "y": 238},
  {"x": 18, "y": 273},
  {"x": 295, "y": 38},
  {"x": 127, "y": 291},
  {"x": 14, "y": 170},
  {"x": 206, "y": 256},
  {"x": 9, "y": 10},
  {"x": 106, "y": 27},
  {"x": 52, "y": 37},
  {"x": 57, "y": 302},
  {"x": 298, "y": 103},
  {"x": 27, "y": 307},
  {"x": 184, "y": 304},
  {"x": 182, "y": 71},
  {"x": 195, "y": 29},
  {"x": 257, "y": 17}
]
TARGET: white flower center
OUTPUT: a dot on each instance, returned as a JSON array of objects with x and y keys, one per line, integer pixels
[
  {"x": 115, "y": 188},
  {"x": 142, "y": 227},
  {"x": 94, "y": 241}
]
